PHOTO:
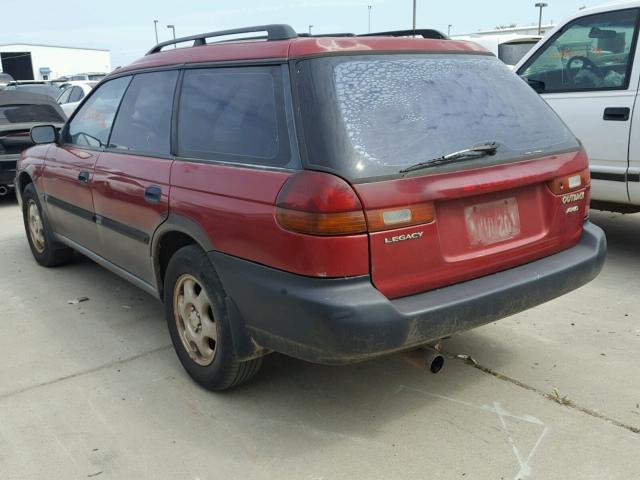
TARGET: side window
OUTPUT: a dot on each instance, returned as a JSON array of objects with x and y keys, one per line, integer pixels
[
  {"x": 64, "y": 96},
  {"x": 591, "y": 53},
  {"x": 143, "y": 123},
  {"x": 76, "y": 94},
  {"x": 233, "y": 115},
  {"x": 91, "y": 125}
]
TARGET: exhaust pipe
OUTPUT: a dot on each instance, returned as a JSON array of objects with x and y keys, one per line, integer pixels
[
  {"x": 3, "y": 190},
  {"x": 429, "y": 358}
]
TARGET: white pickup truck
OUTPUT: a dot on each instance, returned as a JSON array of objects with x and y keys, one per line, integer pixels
[{"x": 588, "y": 70}]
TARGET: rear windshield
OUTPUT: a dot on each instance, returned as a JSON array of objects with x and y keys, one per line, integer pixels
[
  {"x": 370, "y": 116},
  {"x": 29, "y": 114}
]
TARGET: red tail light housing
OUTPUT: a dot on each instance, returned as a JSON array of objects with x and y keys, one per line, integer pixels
[{"x": 317, "y": 203}]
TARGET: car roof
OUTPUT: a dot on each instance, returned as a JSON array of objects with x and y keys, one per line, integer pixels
[
  {"x": 79, "y": 83},
  {"x": 604, "y": 7},
  {"x": 298, "y": 47},
  {"x": 15, "y": 97}
]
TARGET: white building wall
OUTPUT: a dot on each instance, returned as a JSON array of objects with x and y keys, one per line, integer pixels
[{"x": 63, "y": 60}]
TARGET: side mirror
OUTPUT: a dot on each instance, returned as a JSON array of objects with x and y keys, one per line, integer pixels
[{"x": 43, "y": 134}]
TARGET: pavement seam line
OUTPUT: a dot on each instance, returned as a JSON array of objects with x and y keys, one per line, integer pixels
[
  {"x": 467, "y": 359},
  {"x": 84, "y": 372}
]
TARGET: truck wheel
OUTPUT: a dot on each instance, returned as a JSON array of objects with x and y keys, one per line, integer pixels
[
  {"x": 44, "y": 248},
  {"x": 195, "y": 307}
]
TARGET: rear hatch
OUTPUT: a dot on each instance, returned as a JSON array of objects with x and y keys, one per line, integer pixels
[{"x": 366, "y": 118}]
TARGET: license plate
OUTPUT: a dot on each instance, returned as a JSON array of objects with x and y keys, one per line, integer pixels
[{"x": 492, "y": 222}]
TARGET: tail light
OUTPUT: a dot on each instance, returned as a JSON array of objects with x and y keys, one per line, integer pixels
[
  {"x": 570, "y": 183},
  {"x": 318, "y": 203}
]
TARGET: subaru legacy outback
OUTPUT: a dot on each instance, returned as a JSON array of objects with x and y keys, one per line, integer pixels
[{"x": 331, "y": 198}]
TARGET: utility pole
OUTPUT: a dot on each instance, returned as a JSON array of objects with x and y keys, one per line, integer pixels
[
  {"x": 414, "y": 16},
  {"x": 369, "y": 7},
  {"x": 173, "y": 27},
  {"x": 310, "y": 27},
  {"x": 540, "y": 5},
  {"x": 449, "y": 29},
  {"x": 155, "y": 27}
]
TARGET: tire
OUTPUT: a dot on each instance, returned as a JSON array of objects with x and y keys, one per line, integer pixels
[
  {"x": 44, "y": 248},
  {"x": 194, "y": 319}
]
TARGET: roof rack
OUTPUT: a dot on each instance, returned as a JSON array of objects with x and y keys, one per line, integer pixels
[
  {"x": 274, "y": 32},
  {"x": 285, "y": 32},
  {"x": 422, "y": 32}
]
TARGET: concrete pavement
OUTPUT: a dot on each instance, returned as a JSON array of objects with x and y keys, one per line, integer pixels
[{"x": 94, "y": 390}]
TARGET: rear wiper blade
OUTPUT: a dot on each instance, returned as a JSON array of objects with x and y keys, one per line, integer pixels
[{"x": 476, "y": 151}]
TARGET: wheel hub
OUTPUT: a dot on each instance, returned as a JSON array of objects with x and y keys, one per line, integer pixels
[
  {"x": 195, "y": 322},
  {"x": 36, "y": 226}
]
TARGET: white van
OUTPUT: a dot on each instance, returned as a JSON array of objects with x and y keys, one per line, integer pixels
[
  {"x": 587, "y": 69},
  {"x": 509, "y": 47}
]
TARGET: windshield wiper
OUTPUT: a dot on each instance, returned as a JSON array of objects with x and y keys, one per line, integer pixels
[{"x": 477, "y": 151}]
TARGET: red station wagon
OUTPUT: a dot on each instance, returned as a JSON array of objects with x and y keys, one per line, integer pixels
[{"x": 332, "y": 198}]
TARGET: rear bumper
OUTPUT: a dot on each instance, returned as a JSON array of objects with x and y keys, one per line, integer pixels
[{"x": 337, "y": 321}]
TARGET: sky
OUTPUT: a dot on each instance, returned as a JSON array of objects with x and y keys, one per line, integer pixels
[{"x": 125, "y": 27}]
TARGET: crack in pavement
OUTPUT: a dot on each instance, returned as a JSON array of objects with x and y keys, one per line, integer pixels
[
  {"x": 469, "y": 360},
  {"x": 84, "y": 372}
]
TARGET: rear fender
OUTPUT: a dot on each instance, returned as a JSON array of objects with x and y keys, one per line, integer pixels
[{"x": 245, "y": 347}]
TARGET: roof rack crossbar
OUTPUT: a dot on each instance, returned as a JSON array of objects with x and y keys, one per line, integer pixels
[
  {"x": 422, "y": 32},
  {"x": 274, "y": 32}
]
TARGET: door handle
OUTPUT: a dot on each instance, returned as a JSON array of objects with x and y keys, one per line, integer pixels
[
  {"x": 617, "y": 114},
  {"x": 83, "y": 177},
  {"x": 152, "y": 194}
]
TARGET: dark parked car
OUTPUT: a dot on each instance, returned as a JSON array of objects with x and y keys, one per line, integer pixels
[
  {"x": 18, "y": 113},
  {"x": 42, "y": 88},
  {"x": 333, "y": 199}
]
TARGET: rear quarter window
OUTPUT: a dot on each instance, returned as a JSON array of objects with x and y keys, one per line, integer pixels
[{"x": 233, "y": 115}]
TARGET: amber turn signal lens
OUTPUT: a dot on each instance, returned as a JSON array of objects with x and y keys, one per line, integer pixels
[
  {"x": 570, "y": 183},
  {"x": 311, "y": 223},
  {"x": 389, "y": 218}
]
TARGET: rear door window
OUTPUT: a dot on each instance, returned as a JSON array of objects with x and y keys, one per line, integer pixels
[
  {"x": 233, "y": 115},
  {"x": 143, "y": 123},
  {"x": 372, "y": 115},
  {"x": 91, "y": 125}
]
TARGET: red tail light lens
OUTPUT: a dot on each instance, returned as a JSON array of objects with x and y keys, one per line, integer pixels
[
  {"x": 570, "y": 183},
  {"x": 318, "y": 203}
]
